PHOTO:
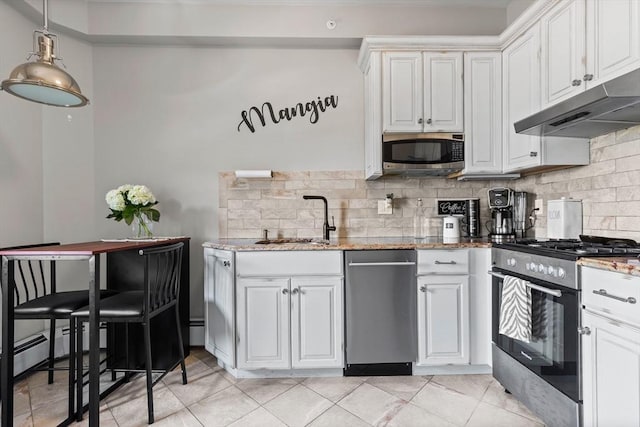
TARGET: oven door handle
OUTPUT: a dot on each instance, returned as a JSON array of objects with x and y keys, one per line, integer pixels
[{"x": 554, "y": 292}]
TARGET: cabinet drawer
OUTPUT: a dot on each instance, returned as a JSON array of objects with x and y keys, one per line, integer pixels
[
  {"x": 289, "y": 263},
  {"x": 443, "y": 261},
  {"x": 621, "y": 290}
]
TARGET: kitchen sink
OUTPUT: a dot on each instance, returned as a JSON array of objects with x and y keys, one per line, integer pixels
[{"x": 292, "y": 240}]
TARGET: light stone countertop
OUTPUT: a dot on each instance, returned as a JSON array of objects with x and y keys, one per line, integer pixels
[
  {"x": 625, "y": 265},
  {"x": 356, "y": 243}
]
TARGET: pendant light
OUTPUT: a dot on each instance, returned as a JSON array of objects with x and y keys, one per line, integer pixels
[{"x": 43, "y": 81}]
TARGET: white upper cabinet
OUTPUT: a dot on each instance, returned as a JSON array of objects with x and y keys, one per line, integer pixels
[
  {"x": 373, "y": 117},
  {"x": 422, "y": 92},
  {"x": 585, "y": 43},
  {"x": 483, "y": 112},
  {"x": 521, "y": 98},
  {"x": 613, "y": 39},
  {"x": 563, "y": 44}
]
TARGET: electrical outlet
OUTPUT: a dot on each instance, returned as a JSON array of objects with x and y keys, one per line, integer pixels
[
  {"x": 540, "y": 206},
  {"x": 383, "y": 208}
]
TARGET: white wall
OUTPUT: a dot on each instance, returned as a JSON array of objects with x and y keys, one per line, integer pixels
[{"x": 168, "y": 118}]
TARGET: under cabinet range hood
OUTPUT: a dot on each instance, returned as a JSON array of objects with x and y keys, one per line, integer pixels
[{"x": 605, "y": 108}]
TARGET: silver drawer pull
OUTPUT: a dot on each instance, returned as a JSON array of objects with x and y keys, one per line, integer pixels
[
  {"x": 445, "y": 262},
  {"x": 603, "y": 292},
  {"x": 377, "y": 264}
]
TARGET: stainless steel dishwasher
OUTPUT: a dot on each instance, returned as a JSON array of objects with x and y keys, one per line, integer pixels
[{"x": 380, "y": 312}]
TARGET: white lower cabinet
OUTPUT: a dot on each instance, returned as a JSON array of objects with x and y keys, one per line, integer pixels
[
  {"x": 289, "y": 310},
  {"x": 610, "y": 348},
  {"x": 219, "y": 301},
  {"x": 443, "y": 307},
  {"x": 443, "y": 320},
  {"x": 611, "y": 372}
]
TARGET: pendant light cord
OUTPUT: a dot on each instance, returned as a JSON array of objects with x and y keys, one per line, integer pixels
[{"x": 45, "y": 16}]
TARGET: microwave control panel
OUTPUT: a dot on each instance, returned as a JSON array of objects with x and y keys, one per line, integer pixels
[{"x": 457, "y": 152}]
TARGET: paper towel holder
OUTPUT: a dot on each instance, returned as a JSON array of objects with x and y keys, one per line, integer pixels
[{"x": 254, "y": 173}]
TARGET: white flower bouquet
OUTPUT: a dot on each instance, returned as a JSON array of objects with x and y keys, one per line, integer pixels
[{"x": 133, "y": 202}]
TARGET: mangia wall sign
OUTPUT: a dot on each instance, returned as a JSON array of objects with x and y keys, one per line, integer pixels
[{"x": 267, "y": 113}]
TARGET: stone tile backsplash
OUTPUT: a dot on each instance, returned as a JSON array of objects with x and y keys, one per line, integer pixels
[{"x": 609, "y": 189}]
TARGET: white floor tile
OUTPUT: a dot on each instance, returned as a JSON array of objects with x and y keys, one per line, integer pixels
[
  {"x": 336, "y": 416},
  {"x": 447, "y": 404},
  {"x": 414, "y": 416},
  {"x": 258, "y": 418},
  {"x": 404, "y": 387},
  {"x": 471, "y": 385},
  {"x": 333, "y": 388},
  {"x": 489, "y": 416},
  {"x": 372, "y": 404},
  {"x": 496, "y": 396},
  {"x": 223, "y": 408},
  {"x": 263, "y": 390},
  {"x": 298, "y": 406}
]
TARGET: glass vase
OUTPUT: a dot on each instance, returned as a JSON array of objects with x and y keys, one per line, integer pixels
[{"x": 141, "y": 226}]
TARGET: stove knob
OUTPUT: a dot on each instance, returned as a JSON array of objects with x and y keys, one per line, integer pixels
[
  {"x": 551, "y": 271},
  {"x": 561, "y": 272},
  {"x": 511, "y": 262},
  {"x": 542, "y": 269},
  {"x": 533, "y": 267}
]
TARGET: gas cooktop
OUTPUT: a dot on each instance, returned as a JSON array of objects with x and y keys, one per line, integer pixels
[{"x": 586, "y": 246}]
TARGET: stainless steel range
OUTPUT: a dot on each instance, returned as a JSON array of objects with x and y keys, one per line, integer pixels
[{"x": 543, "y": 371}]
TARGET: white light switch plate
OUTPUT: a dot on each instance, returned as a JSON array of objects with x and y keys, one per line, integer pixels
[{"x": 383, "y": 209}]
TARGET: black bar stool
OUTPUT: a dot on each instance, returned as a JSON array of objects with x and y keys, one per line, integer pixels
[
  {"x": 36, "y": 297},
  {"x": 160, "y": 292}
]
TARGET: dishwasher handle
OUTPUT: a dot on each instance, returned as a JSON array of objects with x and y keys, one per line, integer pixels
[{"x": 376, "y": 264}]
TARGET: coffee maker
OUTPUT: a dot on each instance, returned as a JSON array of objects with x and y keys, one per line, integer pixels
[{"x": 501, "y": 224}]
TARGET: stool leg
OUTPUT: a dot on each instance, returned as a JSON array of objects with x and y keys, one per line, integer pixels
[
  {"x": 147, "y": 349},
  {"x": 127, "y": 373},
  {"x": 52, "y": 348},
  {"x": 72, "y": 366},
  {"x": 79, "y": 373},
  {"x": 180, "y": 345}
]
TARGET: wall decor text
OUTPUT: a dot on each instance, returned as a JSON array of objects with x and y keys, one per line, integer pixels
[
  {"x": 451, "y": 207},
  {"x": 312, "y": 108}
]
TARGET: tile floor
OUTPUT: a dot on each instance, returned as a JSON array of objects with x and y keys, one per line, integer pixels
[{"x": 214, "y": 398}]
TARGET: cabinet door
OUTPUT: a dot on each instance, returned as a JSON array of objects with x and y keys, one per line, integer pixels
[
  {"x": 611, "y": 372},
  {"x": 442, "y": 110},
  {"x": 263, "y": 323},
  {"x": 443, "y": 320},
  {"x": 402, "y": 92},
  {"x": 316, "y": 322},
  {"x": 483, "y": 112},
  {"x": 613, "y": 38},
  {"x": 521, "y": 98},
  {"x": 562, "y": 48},
  {"x": 373, "y": 117},
  {"x": 219, "y": 299}
]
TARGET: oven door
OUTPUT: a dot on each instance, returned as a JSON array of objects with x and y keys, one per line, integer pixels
[{"x": 553, "y": 351}]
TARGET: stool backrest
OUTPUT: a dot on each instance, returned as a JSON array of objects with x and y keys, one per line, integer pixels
[
  {"x": 33, "y": 278},
  {"x": 162, "y": 268}
]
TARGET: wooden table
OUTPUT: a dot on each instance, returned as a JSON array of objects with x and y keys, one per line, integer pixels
[{"x": 116, "y": 252}]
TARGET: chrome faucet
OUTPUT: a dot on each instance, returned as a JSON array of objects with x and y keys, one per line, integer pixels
[{"x": 326, "y": 228}]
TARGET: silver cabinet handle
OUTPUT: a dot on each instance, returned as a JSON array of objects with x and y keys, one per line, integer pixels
[
  {"x": 420, "y": 120},
  {"x": 533, "y": 154},
  {"x": 226, "y": 263},
  {"x": 295, "y": 291},
  {"x": 428, "y": 121},
  {"x": 576, "y": 82},
  {"x": 423, "y": 289},
  {"x": 285, "y": 291},
  {"x": 445, "y": 262},
  {"x": 603, "y": 292},
  {"x": 374, "y": 264},
  {"x": 587, "y": 77},
  {"x": 584, "y": 330}
]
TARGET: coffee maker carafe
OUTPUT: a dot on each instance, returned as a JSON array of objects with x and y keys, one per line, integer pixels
[{"x": 501, "y": 224}]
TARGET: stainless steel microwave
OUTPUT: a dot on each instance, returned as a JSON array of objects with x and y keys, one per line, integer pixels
[{"x": 422, "y": 153}]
